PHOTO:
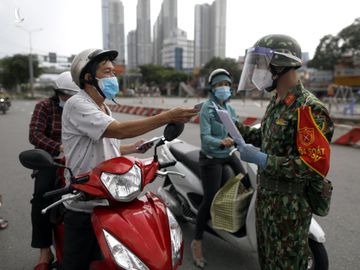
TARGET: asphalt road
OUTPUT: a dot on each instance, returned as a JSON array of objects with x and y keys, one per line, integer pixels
[{"x": 342, "y": 225}]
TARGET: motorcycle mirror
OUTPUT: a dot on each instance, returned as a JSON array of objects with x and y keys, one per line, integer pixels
[
  {"x": 36, "y": 159},
  {"x": 173, "y": 130}
]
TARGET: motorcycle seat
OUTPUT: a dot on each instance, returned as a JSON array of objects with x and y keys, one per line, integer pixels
[{"x": 187, "y": 154}]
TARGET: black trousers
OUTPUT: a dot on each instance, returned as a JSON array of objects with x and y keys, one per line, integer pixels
[
  {"x": 213, "y": 177},
  {"x": 41, "y": 225},
  {"x": 80, "y": 243}
]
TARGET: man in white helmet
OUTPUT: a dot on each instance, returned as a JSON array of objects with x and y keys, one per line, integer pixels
[
  {"x": 87, "y": 121},
  {"x": 45, "y": 133}
]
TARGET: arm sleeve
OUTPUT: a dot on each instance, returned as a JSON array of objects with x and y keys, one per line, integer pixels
[
  {"x": 89, "y": 120},
  {"x": 292, "y": 167},
  {"x": 250, "y": 135},
  {"x": 205, "y": 129},
  {"x": 37, "y": 136}
]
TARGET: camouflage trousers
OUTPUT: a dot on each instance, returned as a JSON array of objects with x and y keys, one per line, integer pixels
[{"x": 282, "y": 227}]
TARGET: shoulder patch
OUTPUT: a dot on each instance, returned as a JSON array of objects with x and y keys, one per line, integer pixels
[{"x": 289, "y": 99}]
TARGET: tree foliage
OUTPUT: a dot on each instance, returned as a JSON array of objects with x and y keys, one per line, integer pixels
[
  {"x": 227, "y": 63},
  {"x": 349, "y": 39},
  {"x": 332, "y": 48},
  {"x": 327, "y": 53},
  {"x": 15, "y": 70},
  {"x": 161, "y": 75}
]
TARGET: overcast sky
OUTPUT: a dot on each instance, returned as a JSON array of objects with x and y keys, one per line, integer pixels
[{"x": 70, "y": 26}]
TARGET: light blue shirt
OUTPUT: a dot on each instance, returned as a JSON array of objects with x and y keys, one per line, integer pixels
[{"x": 212, "y": 131}]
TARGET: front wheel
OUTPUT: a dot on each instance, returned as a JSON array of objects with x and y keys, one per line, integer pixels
[{"x": 319, "y": 258}]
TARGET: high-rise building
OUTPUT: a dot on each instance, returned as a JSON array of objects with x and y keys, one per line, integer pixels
[
  {"x": 203, "y": 34},
  {"x": 113, "y": 27},
  {"x": 219, "y": 9},
  {"x": 131, "y": 50},
  {"x": 165, "y": 23},
  {"x": 209, "y": 32},
  {"x": 143, "y": 33},
  {"x": 178, "y": 51}
]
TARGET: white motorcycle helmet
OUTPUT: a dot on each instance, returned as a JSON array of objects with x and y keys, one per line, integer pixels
[
  {"x": 219, "y": 75},
  {"x": 83, "y": 61},
  {"x": 64, "y": 84}
]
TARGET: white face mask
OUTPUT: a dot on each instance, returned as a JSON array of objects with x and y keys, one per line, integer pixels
[
  {"x": 61, "y": 103},
  {"x": 262, "y": 79}
]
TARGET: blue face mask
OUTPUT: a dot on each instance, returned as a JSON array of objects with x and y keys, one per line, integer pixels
[
  {"x": 222, "y": 93},
  {"x": 109, "y": 86}
]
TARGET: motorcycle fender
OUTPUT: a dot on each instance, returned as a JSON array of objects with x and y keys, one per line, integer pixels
[
  {"x": 191, "y": 183},
  {"x": 316, "y": 233},
  {"x": 169, "y": 200},
  {"x": 141, "y": 225}
]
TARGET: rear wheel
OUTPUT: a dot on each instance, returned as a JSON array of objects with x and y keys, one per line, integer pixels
[{"x": 319, "y": 258}]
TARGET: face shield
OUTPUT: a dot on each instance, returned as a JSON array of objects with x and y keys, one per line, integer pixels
[{"x": 256, "y": 73}]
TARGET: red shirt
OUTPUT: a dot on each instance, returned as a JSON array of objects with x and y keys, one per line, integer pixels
[{"x": 45, "y": 126}]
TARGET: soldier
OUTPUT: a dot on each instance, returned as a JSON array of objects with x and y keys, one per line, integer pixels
[{"x": 294, "y": 149}]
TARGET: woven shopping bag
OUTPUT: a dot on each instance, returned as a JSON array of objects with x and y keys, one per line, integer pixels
[{"x": 230, "y": 204}]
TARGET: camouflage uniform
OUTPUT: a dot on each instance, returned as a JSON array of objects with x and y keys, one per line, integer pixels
[{"x": 283, "y": 216}]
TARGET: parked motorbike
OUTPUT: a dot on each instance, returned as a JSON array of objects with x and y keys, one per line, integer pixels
[
  {"x": 183, "y": 197},
  {"x": 4, "y": 105},
  {"x": 135, "y": 231}
]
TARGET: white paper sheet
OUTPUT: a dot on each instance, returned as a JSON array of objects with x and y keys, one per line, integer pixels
[{"x": 229, "y": 124}]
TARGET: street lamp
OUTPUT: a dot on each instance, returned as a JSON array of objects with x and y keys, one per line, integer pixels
[{"x": 31, "y": 68}]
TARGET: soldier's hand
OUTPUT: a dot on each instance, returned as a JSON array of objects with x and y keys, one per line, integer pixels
[
  {"x": 251, "y": 154},
  {"x": 181, "y": 115}
]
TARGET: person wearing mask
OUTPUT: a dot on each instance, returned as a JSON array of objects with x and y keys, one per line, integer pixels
[
  {"x": 45, "y": 133},
  {"x": 295, "y": 123},
  {"x": 87, "y": 121},
  {"x": 216, "y": 146}
]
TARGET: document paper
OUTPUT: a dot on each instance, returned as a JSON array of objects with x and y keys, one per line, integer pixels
[{"x": 229, "y": 124}]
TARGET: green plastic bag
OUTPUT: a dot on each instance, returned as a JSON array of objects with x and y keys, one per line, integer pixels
[{"x": 230, "y": 204}]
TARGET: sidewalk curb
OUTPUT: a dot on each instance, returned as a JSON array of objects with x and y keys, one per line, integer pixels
[{"x": 343, "y": 134}]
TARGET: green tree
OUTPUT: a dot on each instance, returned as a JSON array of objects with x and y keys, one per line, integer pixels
[
  {"x": 327, "y": 53},
  {"x": 229, "y": 64},
  {"x": 334, "y": 48},
  {"x": 161, "y": 75},
  {"x": 349, "y": 38},
  {"x": 15, "y": 70}
]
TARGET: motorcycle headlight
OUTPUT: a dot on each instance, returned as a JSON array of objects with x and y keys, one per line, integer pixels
[
  {"x": 123, "y": 187},
  {"x": 176, "y": 237},
  {"x": 123, "y": 256},
  {"x": 2, "y": 100}
]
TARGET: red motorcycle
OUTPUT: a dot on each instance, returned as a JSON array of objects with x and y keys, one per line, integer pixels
[{"x": 134, "y": 231}]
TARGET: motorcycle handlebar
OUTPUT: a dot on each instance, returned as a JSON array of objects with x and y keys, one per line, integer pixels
[
  {"x": 167, "y": 164},
  {"x": 57, "y": 192},
  {"x": 65, "y": 190}
]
